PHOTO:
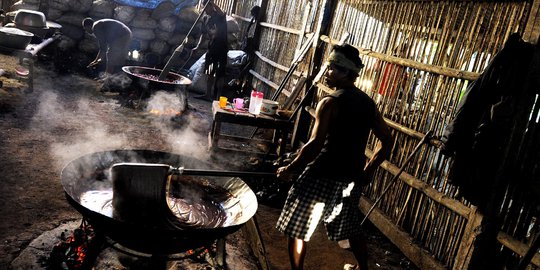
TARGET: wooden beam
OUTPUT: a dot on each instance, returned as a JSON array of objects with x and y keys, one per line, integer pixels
[
  {"x": 276, "y": 65},
  {"x": 413, "y": 133},
  {"x": 449, "y": 72},
  {"x": 325, "y": 88},
  {"x": 516, "y": 246},
  {"x": 241, "y": 18},
  {"x": 466, "y": 247},
  {"x": 281, "y": 28},
  {"x": 441, "y": 198},
  {"x": 263, "y": 79},
  {"x": 419, "y": 256},
  {"x": 294, "y": 93}
]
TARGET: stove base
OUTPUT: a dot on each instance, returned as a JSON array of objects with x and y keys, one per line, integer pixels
[{"x": 37, "y": 253}]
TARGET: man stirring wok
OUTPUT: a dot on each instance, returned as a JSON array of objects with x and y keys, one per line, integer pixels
[
  {"x": 332, "y": 163},
  {"x": 114, "y": 39}
]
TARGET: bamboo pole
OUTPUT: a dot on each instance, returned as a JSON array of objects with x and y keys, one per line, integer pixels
[
  {"x": 533, "y": 23},
  {"x": 458, "y": 233},
  {"x": 302, "y": 30},
  {"x": 176, "y": 54}
]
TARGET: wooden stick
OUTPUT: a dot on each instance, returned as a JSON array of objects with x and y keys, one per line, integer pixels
[
  {"x": 428, "y": 134},
  {"x": 295, "y": 63},
  {"x": 180, "y": 47},
  {"x": 221, "y": 173}
]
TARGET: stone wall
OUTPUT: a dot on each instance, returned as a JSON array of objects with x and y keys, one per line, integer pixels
[{"x": 156, "y": 32}]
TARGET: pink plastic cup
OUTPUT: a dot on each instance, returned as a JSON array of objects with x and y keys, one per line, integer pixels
[{"x": 238, "y": 103}]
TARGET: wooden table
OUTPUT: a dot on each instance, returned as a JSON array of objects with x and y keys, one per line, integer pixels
[{"x": 281, "y": 127}]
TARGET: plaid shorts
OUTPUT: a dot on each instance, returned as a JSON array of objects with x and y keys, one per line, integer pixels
[{"x": 311, "y": 200}]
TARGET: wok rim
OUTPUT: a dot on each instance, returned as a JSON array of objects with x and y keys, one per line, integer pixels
[{"x": 183, "y": 80}]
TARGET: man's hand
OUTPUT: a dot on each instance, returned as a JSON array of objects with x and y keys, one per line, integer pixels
[{"x": 284, "y": 173}]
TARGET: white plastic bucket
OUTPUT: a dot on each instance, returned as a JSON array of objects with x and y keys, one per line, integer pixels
[{"x": 269, "y": 107}]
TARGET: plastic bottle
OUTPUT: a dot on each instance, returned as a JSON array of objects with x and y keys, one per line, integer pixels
[
  {"x": 260, "y": 96},
  {"x": 253, "y": 101}
]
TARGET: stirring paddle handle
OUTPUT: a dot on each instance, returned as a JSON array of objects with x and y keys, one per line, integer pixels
[{"x": 181, "y": 170}]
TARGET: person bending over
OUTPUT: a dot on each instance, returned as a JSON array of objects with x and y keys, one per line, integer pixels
[
  {"x": 114, "y": 39},
  {"x": 333, "y": 165}
]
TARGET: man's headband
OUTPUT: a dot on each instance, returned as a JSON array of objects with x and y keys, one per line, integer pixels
[{"x": 339, "y": 59}]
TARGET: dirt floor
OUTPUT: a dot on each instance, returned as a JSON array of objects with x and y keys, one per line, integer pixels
[{"x": 66, "y": 116}]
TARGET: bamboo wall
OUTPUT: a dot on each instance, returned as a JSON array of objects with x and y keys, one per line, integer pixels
[
  {"x": 441, "y": 46},
  {"x": 459, "y": 35},
  {"x": 280, "y": 30}
]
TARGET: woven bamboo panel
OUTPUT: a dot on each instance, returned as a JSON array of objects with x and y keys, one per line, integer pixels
[
  {"x": 419, "y": 58},
  {"x": 462, "y": 35}
]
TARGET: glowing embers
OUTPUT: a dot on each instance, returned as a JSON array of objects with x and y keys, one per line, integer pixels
[
  {"x": 165, "y": 112},
  {"x": 85, "y": 248},
  {"x": 73, "y": 251},
  {"x": 165, "y": 104}
]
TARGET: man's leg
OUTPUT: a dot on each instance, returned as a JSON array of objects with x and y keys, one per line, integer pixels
[
  {"x": 117, "y": 54},
  {"x": 297, "y": 253},
  {"x": 359, "y": 249}
]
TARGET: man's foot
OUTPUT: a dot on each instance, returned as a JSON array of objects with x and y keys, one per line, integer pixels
[
  {"x": 349, "y": 266},
  {"x": 203, "y": 97}
]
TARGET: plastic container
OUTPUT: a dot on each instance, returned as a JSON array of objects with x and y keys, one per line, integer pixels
[
  {"x": 260, "y": 96},
  {"x": 238, "y": 103},
  {"x": 252, "y": 101},
  {"x": 269, "y": 107},
  {"x": 222, "y": 102}
]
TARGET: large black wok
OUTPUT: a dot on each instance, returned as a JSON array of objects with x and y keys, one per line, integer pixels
[
  {"x": 148, "y": 78},
  {"x": 89, "y": 188}
]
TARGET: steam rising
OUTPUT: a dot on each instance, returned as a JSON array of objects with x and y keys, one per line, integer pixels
[
  {"x": 185, "y": 138},
  {"x": 83, "y": 126},
  {"x": 163, "y": 101},
  {"x": 89, "y": 133}
]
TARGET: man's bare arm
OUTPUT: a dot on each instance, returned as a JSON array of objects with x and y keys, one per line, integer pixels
[
  {"x": 383, "y": 147},
  {"x": 323, "y": 115}
]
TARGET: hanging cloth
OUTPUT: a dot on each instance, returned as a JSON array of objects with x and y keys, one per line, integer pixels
[{"x": 476, "y": 136}]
